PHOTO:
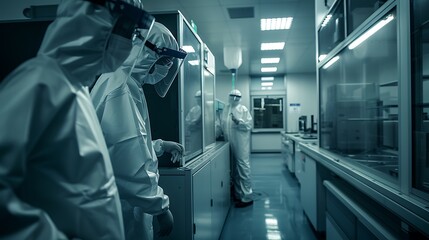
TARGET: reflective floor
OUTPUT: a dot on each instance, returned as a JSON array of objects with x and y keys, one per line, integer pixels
[{"x": 276, "y": 212}]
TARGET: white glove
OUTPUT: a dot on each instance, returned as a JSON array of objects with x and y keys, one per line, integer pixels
[
  {"x": 166, "y": 222},
  {"x": 175, "y": 149}
]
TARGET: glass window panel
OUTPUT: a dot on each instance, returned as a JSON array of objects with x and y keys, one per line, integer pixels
[
  {"x": 219, "y": 106},
  {"x": 209, "y": 108},
  {"x": 359, "y": 10},
  {"x": 268, "y": 113},
  {"x": 192, "y": 94},
  {"x": 359, "y": 101},
  {"x": 331, "y": 33},
  {"x": 420, "y": 83}
]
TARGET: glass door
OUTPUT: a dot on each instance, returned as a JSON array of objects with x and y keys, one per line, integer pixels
[{"x": 420, "y": 94}]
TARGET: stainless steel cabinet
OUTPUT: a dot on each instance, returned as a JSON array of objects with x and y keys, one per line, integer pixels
[
  {"x": 313, "y": 193},
  {"x": 290, "y": 153},
  {"x": 199, "y": 194},
  {"x": 220, "y": 193},
  {"x": 351, "y": 215}
]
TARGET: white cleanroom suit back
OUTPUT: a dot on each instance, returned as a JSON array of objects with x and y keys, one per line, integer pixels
[{"x": 56, "y": 179}]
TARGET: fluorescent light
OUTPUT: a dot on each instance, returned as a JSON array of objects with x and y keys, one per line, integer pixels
[
  {"x": 272, "y": 46},
  {"x": 194, "y": 62},
  {"x": 332, "y": 61},
  {"x": 276, "y": 23},
  {"x": 326, "y": 20},
  {"x": 321, "y": 57},
  {"x": 266, "y": 88},
  {"x": 270, "y": 60},
  {"x": 188, "y": 49},
  {"x": 267, "y": 78},
  {"x": 269, "y": 69},
  {"x": 267, "y": 84},
  {"x": 371, "y": 31}
]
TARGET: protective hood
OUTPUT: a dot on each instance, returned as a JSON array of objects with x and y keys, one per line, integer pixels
[
  {"x": 160, "y": 60},
  {"x": 234, "y": 98},
  {"x": 79, "y": 36}
]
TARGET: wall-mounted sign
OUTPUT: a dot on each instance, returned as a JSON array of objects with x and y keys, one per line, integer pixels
[{"x": 294, "y": 107}]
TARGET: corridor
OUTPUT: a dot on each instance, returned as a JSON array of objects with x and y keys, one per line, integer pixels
[{"x": 276, "y": 213}]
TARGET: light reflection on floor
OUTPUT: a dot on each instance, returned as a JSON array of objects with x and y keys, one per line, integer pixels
[{"x": 276, "y": 213}]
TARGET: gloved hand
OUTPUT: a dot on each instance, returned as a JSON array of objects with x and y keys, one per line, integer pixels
[
  {"x": 234, "y": 119},
  {"x": 166, "y": 222},
  {"x": 175, "y": 149}
]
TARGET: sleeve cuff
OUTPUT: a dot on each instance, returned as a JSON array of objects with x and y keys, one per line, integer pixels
[{"x": 157, "y": 146}]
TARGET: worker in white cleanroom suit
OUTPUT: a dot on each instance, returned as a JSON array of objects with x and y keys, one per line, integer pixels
[
  {"x": 56, "y": 178},
  {"x": 123, "y": 113},
  {"x": 236, "y": 126}
]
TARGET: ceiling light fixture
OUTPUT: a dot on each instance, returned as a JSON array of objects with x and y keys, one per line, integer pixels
[
  {"x": 267, "y": 78},
  {"x": 266, "y": 88},
  {"x": 269, "y": 69},
  {"x": 267, "y": 84},
  {"x": 332, "y": 61},
  {"x": 270, "y": 60},
  {"x": 272, "y": 46},
  {"x": 276, "y": 23},
  {"x": 194, "y": 62},
  {"x": 371, "y": 31}
]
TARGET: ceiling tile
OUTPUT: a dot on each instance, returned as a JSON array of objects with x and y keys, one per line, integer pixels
[{"x": 217, "y": 30}]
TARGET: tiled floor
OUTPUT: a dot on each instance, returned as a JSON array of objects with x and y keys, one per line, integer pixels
[{"x": 276, "y": 212}]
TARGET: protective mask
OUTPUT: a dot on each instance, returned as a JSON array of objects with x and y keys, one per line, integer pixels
[
  {"x": 159, "y": 72},
  {"x": 234, "y": 101},
  {"x": 118, "y": 49},
  {"x": 231, "y": 100}
]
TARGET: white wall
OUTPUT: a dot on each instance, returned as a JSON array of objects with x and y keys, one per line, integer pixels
[
  {"x": 301, "y": 89},
  {"x": 278, "y": 86},
  {"x": 12, "y": 9}
]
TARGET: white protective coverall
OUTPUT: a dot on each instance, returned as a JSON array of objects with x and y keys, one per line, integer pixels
[
  {"x": 56, "y": 179},
  {"x": 123, "y": 112},
  {"x": 238, "y": 136}
]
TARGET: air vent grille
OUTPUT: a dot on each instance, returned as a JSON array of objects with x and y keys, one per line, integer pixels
[{"x": 242, "y": 12}]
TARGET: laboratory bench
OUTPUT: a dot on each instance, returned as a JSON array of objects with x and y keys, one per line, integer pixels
[
  {"x": 291, "y": 151},
  {"x": 345, "y": 200}
]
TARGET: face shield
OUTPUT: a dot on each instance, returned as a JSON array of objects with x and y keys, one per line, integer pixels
[
  {"x": 166, "y": 67},
  {"x": 234, "y": 98}
]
